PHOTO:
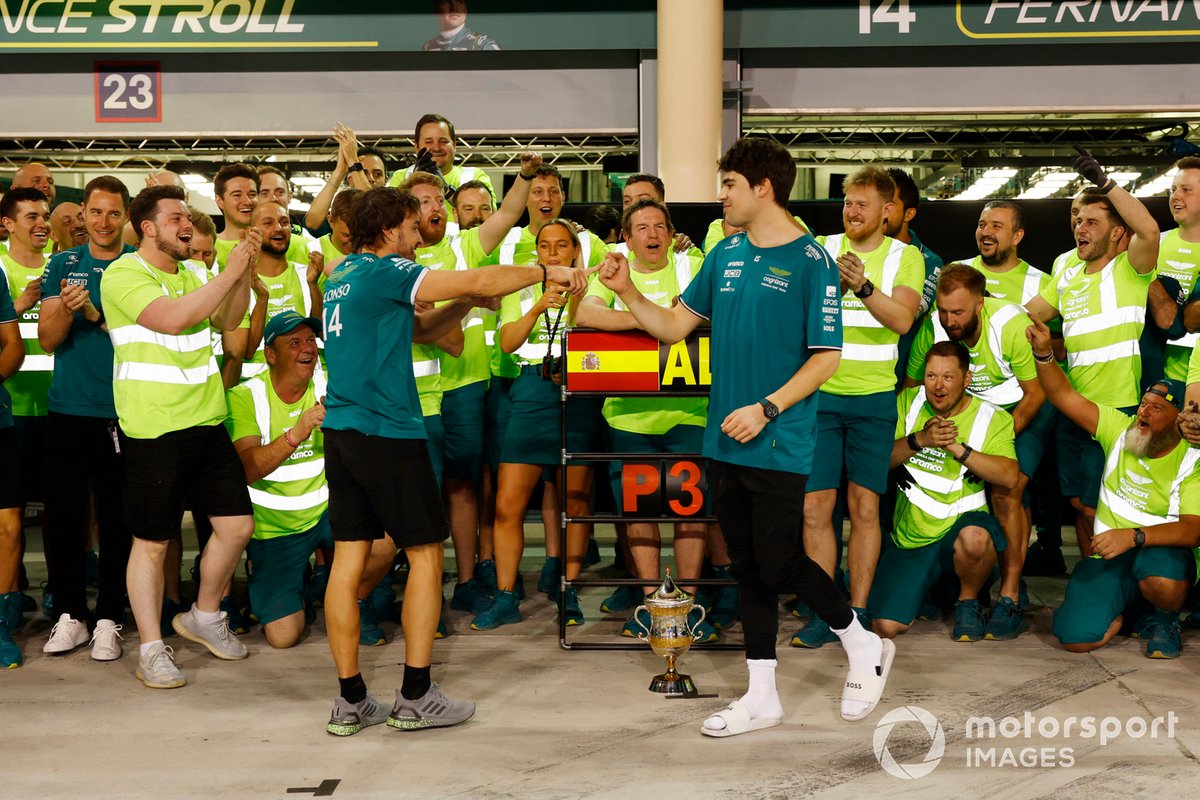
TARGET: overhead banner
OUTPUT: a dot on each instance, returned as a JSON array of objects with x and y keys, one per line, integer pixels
[{"x": 124, "y": 26}]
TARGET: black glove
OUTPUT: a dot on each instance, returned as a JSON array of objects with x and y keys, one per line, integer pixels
[
  {"x": 1088, "y": 167},
  {"x": 425, "y": 163},
  {"x": 902, "y": 478}
]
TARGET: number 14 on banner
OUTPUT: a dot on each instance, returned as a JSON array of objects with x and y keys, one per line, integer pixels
[{"x": 884, "y": 12}]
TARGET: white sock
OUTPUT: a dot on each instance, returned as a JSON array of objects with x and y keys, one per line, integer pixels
[
  {"x": 207, "y": 617},
  {"x": 145, "y": 647},
  {"x": 865, "y": 651},
  {"x": 761, "y": 698}
]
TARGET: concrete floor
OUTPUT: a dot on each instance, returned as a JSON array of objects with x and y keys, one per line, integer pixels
[{"x": 555, "y": 724}]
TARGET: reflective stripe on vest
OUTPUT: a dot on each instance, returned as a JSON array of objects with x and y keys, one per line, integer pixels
[
  {"x": 426, "y": 368},
  {"x": 1032, "y": 285},
  {"x": 937, "y": 483},
  {"x": 279, "y": 502},
  {"x": 1110, "y": 316},
  {"x": 475, "y": 315},
  {"x": 508, "y": 248},
  {"x": 1010, "y": 391},
  {"x": 1121, "y": 508},
  {"x": 34, "y": 362},
  {"x": 861, "y": 317},
  {"x": 533, "y": 352},
  {"x": 284, "y": 473}
]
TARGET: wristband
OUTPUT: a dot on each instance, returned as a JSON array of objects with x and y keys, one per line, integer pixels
[
  {"x": 1044, "y": 358},
  {"x": 355, "y": 167},
  {"x": 967, "y": 450},
  {"x": 1108, "y": 187},
  {"x": 545, "y": 277},
  {"x": 525, "y": 177},
  {"x": 912, "y": 442},
  {"x": 287, "y": 437}
]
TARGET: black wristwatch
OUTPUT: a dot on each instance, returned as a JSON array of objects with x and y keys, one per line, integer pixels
[
  {"x": 1139, "y": 537},
  {"x": 866, "y": 291},
  {"x": 525, "y": 177},
  {"x": 769, "y": 409},
  {"x": 912, "y": 442},
  {"x": 355, "y": 167}
]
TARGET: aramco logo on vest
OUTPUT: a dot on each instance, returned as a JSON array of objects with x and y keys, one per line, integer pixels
[{"x": 910, "y": 742}]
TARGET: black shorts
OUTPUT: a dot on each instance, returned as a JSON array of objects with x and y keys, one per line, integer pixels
[
  {"x": 10, "y": 469},
  {"x": 196, "y": 465},
  {"x": 378, "y": 485}
]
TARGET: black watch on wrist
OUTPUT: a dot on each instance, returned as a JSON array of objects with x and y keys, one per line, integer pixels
[
  {"x": 355, "y": 167},
  {"x": 525, "y": 177},
  {"x": 770, "y": 410},
  {"x": 967, "y": 450},
  {"x": 1139, "y": 537},
  {"x": 912, "y": 443},
  {"x": 865, "y": 291}
]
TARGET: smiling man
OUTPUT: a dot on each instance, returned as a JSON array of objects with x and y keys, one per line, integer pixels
[
  {"x": 66, "y": 226},
  {"x": 236, "y": 193},
  {"x": 435, "y": 135},
  {"x": 999, "y": 232}
]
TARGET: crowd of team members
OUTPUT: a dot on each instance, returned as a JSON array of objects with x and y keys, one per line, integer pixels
[{"x": 154, "y": 365}]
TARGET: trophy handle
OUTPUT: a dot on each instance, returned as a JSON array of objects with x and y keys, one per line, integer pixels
[
  {"x": 638, "y": 620},
  {"x": 703, "y": 614}
]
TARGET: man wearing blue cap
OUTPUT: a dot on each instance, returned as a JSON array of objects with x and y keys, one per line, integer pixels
[
  {"x": 275, "y": 423},
  {"x": 1145, "y": 547}
]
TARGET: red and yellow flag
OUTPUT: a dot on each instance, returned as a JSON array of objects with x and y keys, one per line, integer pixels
[{"x": 600, "y": 361}]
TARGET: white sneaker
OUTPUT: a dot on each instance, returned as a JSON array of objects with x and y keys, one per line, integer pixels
[
  {"x": 106, "y": 641},
  {"x": 66, "y": 635}
]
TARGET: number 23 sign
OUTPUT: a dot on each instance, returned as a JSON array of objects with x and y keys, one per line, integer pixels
[{"x": 128, "y": 91}]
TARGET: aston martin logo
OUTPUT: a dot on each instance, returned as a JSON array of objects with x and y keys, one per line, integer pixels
[{"x": 783, "y": 273}]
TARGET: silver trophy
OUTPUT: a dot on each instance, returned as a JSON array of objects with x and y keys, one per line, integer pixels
[{"x": 670, "y": 635}]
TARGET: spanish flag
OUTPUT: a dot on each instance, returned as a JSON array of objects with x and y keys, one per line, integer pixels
[{"x": 619, "y": 361}]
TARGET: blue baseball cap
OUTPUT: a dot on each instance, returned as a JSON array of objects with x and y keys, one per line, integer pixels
[
  {"x": 286, "y": 322},
  {"x": 1170, "y": 390}
]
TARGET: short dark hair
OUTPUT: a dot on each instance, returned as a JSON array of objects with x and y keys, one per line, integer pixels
[
  {"x": 1017, "y": 215},
  {"x": 107, "y": 183},
  {"x": 22, "y": 194},
  {"x": 653, "y": 180},
  {"x": 145, "y": 205},
  {"x": 906, "y": 188},
  {"x": 374, "y": 151},
  {"x": 1101, "y": 199},
  {"x": 343, "y": 204},
  {"x": 230, "y": 171},
  {"x": 1188, "y": 162},
  {"x": 875, "y": 177},
  {"x": 601, "y": 220},
  {"x": 551, "y": 171},
  {"x": 378, "y": 209},
  {"x": 428, "y": 119},
  {"x": 645, "y": 202},
  {"x": 961, "y": 276},
  {"x": 955, "y": 350},
  {"x": 759, "y": 160},
  {"x": 474, "y": 185}
]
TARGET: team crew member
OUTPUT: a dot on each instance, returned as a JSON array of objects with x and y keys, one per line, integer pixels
[
  {"x": 898, "y": 226},
  {"x": 377, "y": 464},
  {"x": 756, "y": 287},
  {"x": 12, "y": 353},
  {"x": 236, "y": 193},
  {"x": 335, "y": 245},
  {"x": 948, "y": 443},
  {"x": 1102, "y": 302},
  {"x": 1001, "y": 372},
  {"x": 170, "y": 402},
  {"x": 473, "y": 204},
  {"x": 203, "y": 246},
  {"x": 642, "y": 186},
  {"x": 464, "y": 376},
  {"x": 342, "y": 177},
  {"x": 435, "y": 135},
  {"x": 530, "y": 324},
  {"x": 275, "y": 424},
  {"x": 35, "y": 175},
  {"x": 856, "y": 408},
  {"x": 1147, "y": 525},
  {"x": 1071, "y": 257},
  {"x": 651, "y": 425},
  {"x": 82, "y": 438},
  {"x": 66, "y": 227},
  {"x": 26, "y": 216},
  {"x": 1179, "y": 260},
  {"x": 274, "y": 187},
  {"x": 998, "y": 234}
]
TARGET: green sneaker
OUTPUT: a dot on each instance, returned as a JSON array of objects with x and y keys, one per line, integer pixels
[
  {"x": 239, "y": 620},
  {"x": 622, "y": 599},
  {"x": 572, "y": 609},
  {"x": 968, "y": 621},
  {"x": 726, "y": 601},
  {"x": 317, "y": 585},
  {"x": 702, "y": 631},
  {"x": 369, "y": 632},
  {"x": 349, "y": 718},
  {"x": 470, "y": 596},
  {"x": 813, "y": 635},
  {"x": 504, "y": 610},
  {"x": 632, "y": 629},
  {"x": 10, "y": 652},
  {"x": 442, "y": 631},
  {"x": 485, "y": 573},
  {"x": 10, "y": 609},
  {"x": 548, "y": 578},
  {"x": 929, "y": 611},
  {"x": 1163, "y": 640},
  {"x": 1007, "y": 621},
  {"x": 592, "y": 556},
  {"x": 170, "y": 610},
  {"x": 383, "y": 600}
]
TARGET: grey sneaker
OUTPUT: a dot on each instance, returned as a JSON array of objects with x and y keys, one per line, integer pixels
[
  {"x": 216, "y": 636},
  {"x": 433, "y": 710},
  {"x": 66, "y": 635},
  {"x": 350, "y": 718},
  {"x": 157, "y": 668}
]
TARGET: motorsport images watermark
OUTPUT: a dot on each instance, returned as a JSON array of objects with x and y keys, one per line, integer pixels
[{"x": 987, "y": 739}]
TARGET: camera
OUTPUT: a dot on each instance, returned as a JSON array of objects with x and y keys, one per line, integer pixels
[{"x": 552, "y": 368}]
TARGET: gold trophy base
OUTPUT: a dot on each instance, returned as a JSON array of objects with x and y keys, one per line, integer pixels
[{"x": 672, "y": 682}]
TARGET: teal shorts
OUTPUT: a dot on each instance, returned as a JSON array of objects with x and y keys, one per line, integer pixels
[
  {"x": 855, "y": 436},
  {"x": 904, "y": 576},
  {"x": 277, "y": 568},
  {"x": 534, "y": 433},
  {"x": 1099, "y": 590},
  {"x": 463, "y": 419},
  {"x": 497, "y": 407},
  {"x": 1080, "y": 461},
  {"x": 437, "y": 445},
  {"x": 680, "y": 439},
  {"x": 1032, "y": 442}
]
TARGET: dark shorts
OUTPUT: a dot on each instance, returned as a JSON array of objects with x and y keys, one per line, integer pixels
[
  {"x": 197, "y": 466},
  {"x": 436, "y": 443},
  {"x": 855, "y": 436},
  {"x": 463, "y": 418},
  {"x": 1032, "y": 443},
  {"x": 379, "y": 485},
  {"x": 31, "y": 456},
  {"x": 1080, "y": 461},
  {"x": 534, "y": 434},
  {"x": 277, "y": 569},
  {"x": 10, "y": 469}
]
